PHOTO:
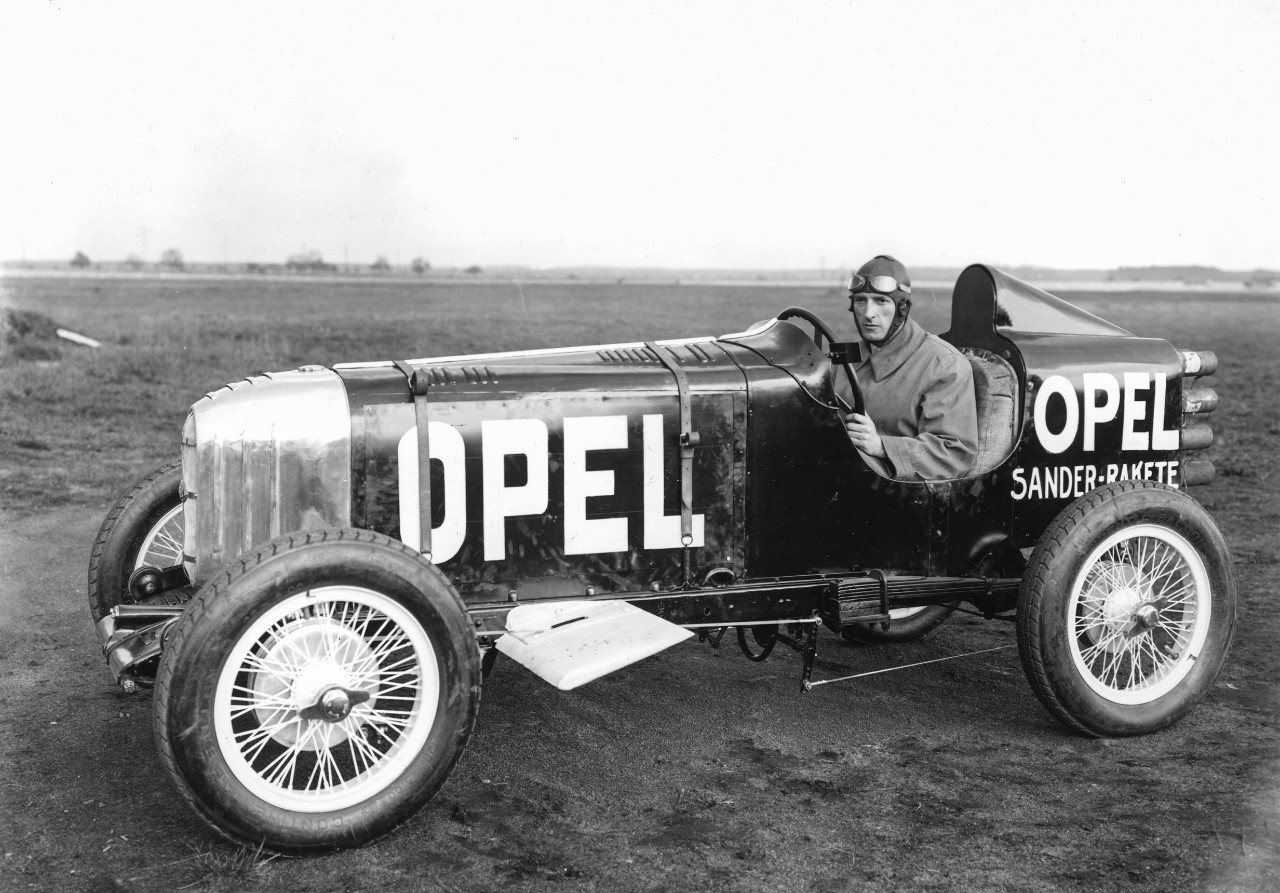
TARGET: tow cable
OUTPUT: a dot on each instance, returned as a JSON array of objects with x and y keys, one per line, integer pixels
[{"x": 810, "y": 685}]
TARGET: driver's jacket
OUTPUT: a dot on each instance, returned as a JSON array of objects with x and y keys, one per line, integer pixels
[{"x": 919, "y": 392}]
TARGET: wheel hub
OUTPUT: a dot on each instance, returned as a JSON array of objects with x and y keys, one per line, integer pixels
[
  {"x": 1147, "y": 617},
  {"x": 335, "y": 704},
  {"x": 1121, "y": 606},
  {"x": 311, "y": 673},
  {"x": 1118, "y": 606}
]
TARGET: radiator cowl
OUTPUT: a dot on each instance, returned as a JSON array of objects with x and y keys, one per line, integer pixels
[{"x": 262, "y": 457}]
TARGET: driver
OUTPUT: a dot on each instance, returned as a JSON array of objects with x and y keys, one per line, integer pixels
[{"x": 921, "y": 423}]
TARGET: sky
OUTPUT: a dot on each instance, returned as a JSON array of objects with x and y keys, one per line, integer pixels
[{"x": 685, "y": 134}]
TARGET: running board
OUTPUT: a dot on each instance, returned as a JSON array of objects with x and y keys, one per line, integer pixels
[{"x": 572, "y": 643}]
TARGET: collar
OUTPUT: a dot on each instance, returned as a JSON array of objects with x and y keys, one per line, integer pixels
[{"x": 885, "y": 360}]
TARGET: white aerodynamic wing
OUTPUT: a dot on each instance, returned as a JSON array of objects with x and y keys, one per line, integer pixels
[{"x": 572, "y": 643}]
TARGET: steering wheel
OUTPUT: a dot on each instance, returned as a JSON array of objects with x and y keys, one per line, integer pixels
[{"x": 823, "y": 331}]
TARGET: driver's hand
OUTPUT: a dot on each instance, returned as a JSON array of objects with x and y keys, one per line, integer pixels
[{"x": 862, "y": 433}]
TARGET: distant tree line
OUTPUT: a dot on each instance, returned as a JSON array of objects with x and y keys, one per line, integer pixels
[
  {"x": 170, "y": 259},
  {"x": 1195, "y": 274},
  {"x": 308, "y": 262},
  {"x": 304, "y": 262}
]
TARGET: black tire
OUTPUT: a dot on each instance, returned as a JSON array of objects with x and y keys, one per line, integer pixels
[
  {"x": 133, "y": 525},
  {"x": 1127, "y": 609},
  {"x": 908, "y": 627},
  {"x": 345, "y": 613}
]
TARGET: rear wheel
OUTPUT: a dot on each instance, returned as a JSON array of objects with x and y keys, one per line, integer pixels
[
  {"x": 319, "y": 693},
  {"x": 1127, "y": 610},
  {"x": 143, "y": 529}
]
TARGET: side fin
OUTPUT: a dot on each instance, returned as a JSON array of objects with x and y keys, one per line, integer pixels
[{"x": 572, "y": 643}]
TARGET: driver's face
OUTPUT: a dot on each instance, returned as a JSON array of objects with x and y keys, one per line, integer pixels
[{"x": 874, "y": 314}]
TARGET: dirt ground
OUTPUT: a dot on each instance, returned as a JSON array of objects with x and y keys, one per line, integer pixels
[{"x": 697, "y": 769}]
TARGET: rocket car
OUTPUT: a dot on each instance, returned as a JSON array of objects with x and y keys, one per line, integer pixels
[{"x": 318, "y": 587}]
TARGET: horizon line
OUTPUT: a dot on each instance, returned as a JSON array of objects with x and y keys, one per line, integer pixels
[{"x": 136, "y": 265}]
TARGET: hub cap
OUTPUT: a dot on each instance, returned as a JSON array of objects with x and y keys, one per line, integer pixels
[{"x": 335, "y": 704}]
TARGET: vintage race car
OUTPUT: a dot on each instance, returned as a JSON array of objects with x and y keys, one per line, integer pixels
[{"x": 318, "y": 587}]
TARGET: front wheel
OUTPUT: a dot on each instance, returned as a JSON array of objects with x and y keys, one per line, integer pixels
[
  {"x": 1127, "y": 609},
  {"x": 143, "y": 528},
  {"x": 319, "y": 693}
]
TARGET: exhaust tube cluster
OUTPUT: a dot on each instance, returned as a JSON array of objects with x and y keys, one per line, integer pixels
[{"x": 1196, "y": 434}]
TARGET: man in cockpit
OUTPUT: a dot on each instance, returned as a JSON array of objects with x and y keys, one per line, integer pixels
[{"x": 921, "y": 423}]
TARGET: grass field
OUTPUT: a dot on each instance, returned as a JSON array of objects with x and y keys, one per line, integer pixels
[{"x": 693, "y": 770}]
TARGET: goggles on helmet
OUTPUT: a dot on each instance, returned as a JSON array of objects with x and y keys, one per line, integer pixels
[{"x": 885, "y": 285}]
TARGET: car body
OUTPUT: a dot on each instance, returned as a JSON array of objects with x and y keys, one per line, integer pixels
[
  {"x": 777, "y": 489},
  {"x": 706, "y": 482}
]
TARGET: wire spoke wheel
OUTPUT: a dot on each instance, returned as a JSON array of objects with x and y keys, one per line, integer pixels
[
  {"x": 318, "y": 693},
  {"x": 1140, "y": 611},
  {"x": 325, "y": 699},
  {"x": 1127, "y": 609},
  {"x": 143, "y": 529},
  {"x": 161, "y": 546}
]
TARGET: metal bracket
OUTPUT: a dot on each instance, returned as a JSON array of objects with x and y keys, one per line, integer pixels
[
  {"x": 129, "y": 648},
  {"x": 488, "y": 657},
  {"x": 802, "y": 636},
  {"x": 846, "y": 355},
  {"x": 876, "y": 574},
  {"x": 688, "y": 440},
  {"x": 809, "y": 653},
  {"x": 149, "y": 581},
  {"x": 845, "y": 352},
  {"x": 712, "y": 636},
  {"x": 418, "y": 385}
]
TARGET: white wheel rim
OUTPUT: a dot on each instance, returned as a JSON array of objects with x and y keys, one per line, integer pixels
[
  {"x": 1139, "y": 614},
  {"x": 162, "y": 546},
  {"x": 904, "y": 613},
  {"x": 327, "y": 642}
]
